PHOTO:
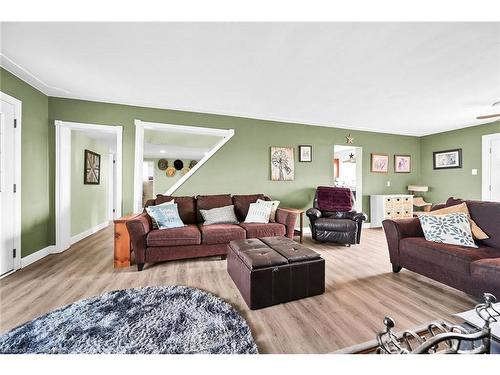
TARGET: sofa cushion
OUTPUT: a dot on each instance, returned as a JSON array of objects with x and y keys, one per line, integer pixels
[
  {"x": 185, "y": 205},
  {"x": 242, "y": 203},
  {"x": 187, "y": 235},
  {"x": 452, "y": 258},
  {"x": 207, "y": 202},
  {"x": 335, "y": 225},
  {"x": 486, "y": 271},
  {"x": 221, "y": 233},
  {"x": 219, "y": 215},
  {"x": 255, "y": 230},
  {"x": 452, "y": 229}
]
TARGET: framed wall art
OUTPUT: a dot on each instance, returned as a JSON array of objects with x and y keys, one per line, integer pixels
[
  {"x": 305, "y": 153},
  {"x": 447, "y": 159},
  {"x": 282, "y": 164},
  {"x": 92, "y": 168},
  {"x": 379, "y": 163},
  {"x": 402, "y": 163}
]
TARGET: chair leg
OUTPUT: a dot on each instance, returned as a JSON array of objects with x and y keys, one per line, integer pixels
[
  {"x": 347, "y": 245},
  {"x": 223, "y": 257},
  {"x": 396, "y": 268},
  {"x": 140, "y": 266}
]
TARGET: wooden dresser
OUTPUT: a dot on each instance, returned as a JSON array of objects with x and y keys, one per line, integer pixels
[
  {"x": 122, "y": 248},
  {"x": 389, "y": 206}
]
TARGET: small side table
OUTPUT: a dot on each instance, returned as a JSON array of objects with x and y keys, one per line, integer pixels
[
  {"x": 123, "y": 246},
  {"x": 297, "y": 232}
]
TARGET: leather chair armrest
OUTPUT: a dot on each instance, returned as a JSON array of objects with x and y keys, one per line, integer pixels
[
  {"x": 288, "y": 219},
  {"x": 138, "y": 228},
  {"x": 438, "y": 206},
  {"x": 313, "y": 214},
  {"x": 396, "y": 230},
  {"x": 356, "y": 216}
]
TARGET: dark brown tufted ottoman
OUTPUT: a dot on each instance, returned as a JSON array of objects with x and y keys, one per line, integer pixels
[{"x": 273, "y": 270}]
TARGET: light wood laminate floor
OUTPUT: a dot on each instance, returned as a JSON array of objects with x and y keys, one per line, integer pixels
[{"x": 360, "y": 291}]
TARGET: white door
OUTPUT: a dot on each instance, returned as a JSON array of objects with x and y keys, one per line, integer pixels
[
  {"x": 7, "y": 149},
  {"x": 495, "y": 170}
]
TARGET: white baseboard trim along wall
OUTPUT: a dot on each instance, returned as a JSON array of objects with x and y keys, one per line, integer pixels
[
  {"x": 37, "y": 255},
  {"x": 42, "y": 253},
  {"x": 88, "y": 232}
]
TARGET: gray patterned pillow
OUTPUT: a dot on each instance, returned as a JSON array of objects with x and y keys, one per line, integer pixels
[
  {"x": 452, "y": 229},
  {"x": 219, "y": 215}
]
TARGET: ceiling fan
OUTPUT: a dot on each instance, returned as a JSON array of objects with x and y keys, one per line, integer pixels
[{"x": 490, "y": 116}]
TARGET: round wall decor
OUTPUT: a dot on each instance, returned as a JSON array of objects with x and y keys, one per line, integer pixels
[
  {"x": 162, "y": 164},
  {"x": 171, "y": 171},
  {"x": 192, "y": 163},
  {"x": 185, "y": 170},
  {"x": 178, "y": 164}
]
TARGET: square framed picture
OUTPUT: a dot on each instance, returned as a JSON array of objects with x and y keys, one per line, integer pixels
[
  {"x": 379, "y": 163},
  {"x": 447, "y": 159},
  {"x": 305, "y": 153},
  {"x": 92, "y": 168},
  {"x": 402, "y": 163}
]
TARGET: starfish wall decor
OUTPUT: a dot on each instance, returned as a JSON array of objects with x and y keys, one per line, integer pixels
[{"x": 349, "y": 139}]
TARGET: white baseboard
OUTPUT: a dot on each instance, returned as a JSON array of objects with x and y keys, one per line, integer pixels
[
  {"x": 367, "y": 225},
  {"x": 88, "y": 232},
  {"x": 37, "y": 255},
  {"x": 306, "y": 230}
]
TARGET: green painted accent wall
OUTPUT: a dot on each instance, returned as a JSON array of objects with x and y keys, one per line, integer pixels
[
  {"x": 37, "y": 186},
  {"x": 458, "y": 182},
  {"x": 89, "y": 203},
  {"x": 242, "y": 165}
]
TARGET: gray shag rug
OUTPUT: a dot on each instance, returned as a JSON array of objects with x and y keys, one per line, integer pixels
[{"x": 153, "y": 320}]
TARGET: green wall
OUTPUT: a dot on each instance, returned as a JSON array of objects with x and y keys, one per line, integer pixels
[
  {"x": 37, "y": 186},
  {"x": 242, "y": 165},
  {"x": 89, "y": 203},
  {"x": 455, "y": 182}
]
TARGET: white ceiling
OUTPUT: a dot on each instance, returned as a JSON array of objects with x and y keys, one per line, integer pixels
[{"x": 404, "y": 78}]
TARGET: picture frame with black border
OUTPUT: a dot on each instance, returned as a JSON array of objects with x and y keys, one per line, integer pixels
[
  {"x": 92, "y": 168},
  {"x": 305, "y": 153},
  {"x": 447, "y": 159}
]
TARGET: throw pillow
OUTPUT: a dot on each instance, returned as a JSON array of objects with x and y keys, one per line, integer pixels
[
  {"x": 272, "y": 217},
  {"x": 452, "y": 229},
  {"x": 477, "y": 232},
  {"x": 165, "y": 215},
  {"x": 155, "y": 224},
  {"x": 259, "y": 212},
  {"x": 219, "y": 215}
]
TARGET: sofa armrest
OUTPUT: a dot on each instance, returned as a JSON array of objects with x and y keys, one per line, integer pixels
[
  {"x": 313, "y": 214},
  {"x": 138, "y": 228},
  {"x": 396, "y": 230},
  {"x": 288, "y": 219}
]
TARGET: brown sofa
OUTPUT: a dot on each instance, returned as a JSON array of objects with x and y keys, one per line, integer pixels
[
  {"x": 474, "y": 271},
  {"x": 195, "y": 239}
]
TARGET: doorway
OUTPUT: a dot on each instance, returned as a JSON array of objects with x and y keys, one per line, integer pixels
[
  {"x": 348, "y": 171},
  {"x": 74, "y": 137},
  {"x": 491, "y": 168},
  {"x": 10, "y": 184}
]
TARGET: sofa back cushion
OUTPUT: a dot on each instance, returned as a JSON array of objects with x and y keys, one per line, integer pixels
[
  {"x": 185, "y": 205},
  {"x": 486, "y": 215},
  {"x": 207, "y": 202},
  {"x": 242, "y": 203}
]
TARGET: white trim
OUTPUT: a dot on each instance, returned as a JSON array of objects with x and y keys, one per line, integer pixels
[
  {"x": 37, "y": 255},
  {"x": 18, "y": 111},
  {"x": 227, "y": 134},
  {"x": 89, "y": 232},
  {"x": 486, "y": 165},
  {"x": 63, "y": 176},
  {"x": 111, "y": 173}
]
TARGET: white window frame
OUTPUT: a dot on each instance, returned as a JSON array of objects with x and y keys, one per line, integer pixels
[{"x": 226, "y": 135}]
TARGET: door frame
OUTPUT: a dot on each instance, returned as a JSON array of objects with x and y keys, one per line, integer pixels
[
  {"x": 18, "y": 111},
  {"x": 486, "y": 165},
  {"x": 63, "y": 176},
  {"x": 226, "y": 135}
]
